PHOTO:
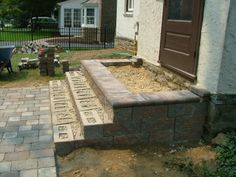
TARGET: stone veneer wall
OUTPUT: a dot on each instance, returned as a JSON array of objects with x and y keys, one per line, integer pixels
[
  {"x": 222, "y": 114},
  {"x": 126, "y": 44},
  {"x": 170, "y": 76}
]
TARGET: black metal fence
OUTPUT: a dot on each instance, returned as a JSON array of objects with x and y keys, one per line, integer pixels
[{"x": 67, "y": 38}]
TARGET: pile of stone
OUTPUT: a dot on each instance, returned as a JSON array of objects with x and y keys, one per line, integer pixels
[
  {"x": 27, "y": 63},
  {"x": 34, "y": 46},
  {"x": 46, "y": 61}
]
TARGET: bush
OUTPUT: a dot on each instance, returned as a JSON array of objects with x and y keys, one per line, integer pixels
[{"x": 226, "y": 161}]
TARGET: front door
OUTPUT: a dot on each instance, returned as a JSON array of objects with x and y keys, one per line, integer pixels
[{"x": 180, "y": 36}]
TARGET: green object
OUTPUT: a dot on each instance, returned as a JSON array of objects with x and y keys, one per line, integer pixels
[{"x": 114, "y": 54}]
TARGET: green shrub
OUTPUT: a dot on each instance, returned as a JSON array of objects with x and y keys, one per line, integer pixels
[{"x": 226, "y": 161}]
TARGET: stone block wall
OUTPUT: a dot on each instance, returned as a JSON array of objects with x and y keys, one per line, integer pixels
[
  {"x": 126, "y": 44},
  {"x": 170, "y": 76}
]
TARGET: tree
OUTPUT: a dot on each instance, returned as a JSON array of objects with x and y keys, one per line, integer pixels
[{"x": 23, "y": 10}]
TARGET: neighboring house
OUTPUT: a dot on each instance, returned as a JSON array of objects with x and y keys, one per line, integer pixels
[
  {"x": 193, "y": 38},
  {"x": 75, "y": 15}
]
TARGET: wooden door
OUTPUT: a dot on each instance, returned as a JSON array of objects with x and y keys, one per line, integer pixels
[{"x": 180, "y": 36}]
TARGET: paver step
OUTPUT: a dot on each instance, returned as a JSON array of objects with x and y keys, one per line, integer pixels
[
  {"x": 90, "y": 111},
  {"x": 66, "y": 126}
]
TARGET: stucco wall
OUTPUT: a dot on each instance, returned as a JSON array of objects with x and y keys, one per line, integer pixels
[
  {"x": 227, "y": 81},
  {"x": 212, "y": 43},
  {"x": 150, "y": 20},
  {"x": 126, "y": 25}
]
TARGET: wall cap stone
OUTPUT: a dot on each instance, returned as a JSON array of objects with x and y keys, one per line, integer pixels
[{"x": 117, "y": 94}]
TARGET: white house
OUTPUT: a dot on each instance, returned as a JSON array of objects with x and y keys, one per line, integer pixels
[
  {"x": 77, "y": 14},
  {"x": 195, "y": 39}
]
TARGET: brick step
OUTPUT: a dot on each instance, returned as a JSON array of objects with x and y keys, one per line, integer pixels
[
  {"x": 66, "y": 125},
  {"x": 90, "y": 112}
]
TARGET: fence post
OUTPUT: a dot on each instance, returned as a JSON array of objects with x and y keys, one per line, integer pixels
[
  {"x": 69, "y": 38},
  {"x": 104, "y": 38}
]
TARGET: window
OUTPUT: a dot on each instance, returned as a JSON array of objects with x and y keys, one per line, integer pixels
[
  {"x": 90, "y": 16},
  {"x": 180, "y": 9},
  {"x": 67, "y": 17},
  {"x": 77, "y": 18},
  {"x": 129, "y": 5}
]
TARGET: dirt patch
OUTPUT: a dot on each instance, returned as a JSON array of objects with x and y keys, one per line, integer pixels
[
  {"x": 142, "y": 80},
  {"x": 127, "y": 162},
  {"x": 138, "y": 161},
  {"x": 201, "y": 154}
]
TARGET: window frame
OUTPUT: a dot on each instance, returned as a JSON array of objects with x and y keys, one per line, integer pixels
[
  {"x": 67, "y": 22},
  {"x": 77, "y": 21},
  {"x": 85, "y": 17},
  {"x": 90, "y": 16},
  {"x": 129, "y": 6}
]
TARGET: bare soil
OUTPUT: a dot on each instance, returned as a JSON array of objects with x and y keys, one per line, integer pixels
[
  {"x": 142, "y": 80},
  {"x": 139, "y": 161}
]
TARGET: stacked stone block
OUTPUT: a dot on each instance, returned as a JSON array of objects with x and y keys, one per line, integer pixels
[{"x": 46, "y": 61}]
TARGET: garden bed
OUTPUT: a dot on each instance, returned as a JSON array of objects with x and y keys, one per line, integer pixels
[{"x": 141, "y": 79}]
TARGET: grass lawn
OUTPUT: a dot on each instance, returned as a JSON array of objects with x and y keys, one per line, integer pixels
[
  {"x": 31, "y": 77},
  {"x": 22, "y": 34}
]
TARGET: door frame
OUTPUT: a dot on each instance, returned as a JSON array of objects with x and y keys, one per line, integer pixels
[{"x": 191, "y": 77}]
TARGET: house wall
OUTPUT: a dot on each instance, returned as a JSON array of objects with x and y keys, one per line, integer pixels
[
  {"x": 126, "y": 24},
  {"x": 216, "y": 61},
  {"x": 222, "y": 105},
  {"x": 216, "y": 53},
  {"x": 212, "y": 43},
  {"x": 150, "y": 23},
  {"x": 227, "y": 79}
]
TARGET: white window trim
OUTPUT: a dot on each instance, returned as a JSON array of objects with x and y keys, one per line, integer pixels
[
  {"x": 128, "y": 11},
  {"x": 84, "y": 16},
  {"x": 72, "y": 17},
  {"x": 129, "y": 5}
]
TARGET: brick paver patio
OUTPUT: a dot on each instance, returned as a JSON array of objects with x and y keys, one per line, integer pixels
[{"x": 26, "y": 144}]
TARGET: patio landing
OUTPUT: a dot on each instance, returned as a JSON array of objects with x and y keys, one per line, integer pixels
[
  {"x": 91, "y": 107},
  {"x": 26, "y": 146}
]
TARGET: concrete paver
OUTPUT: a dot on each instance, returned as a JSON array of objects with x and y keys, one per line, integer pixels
[{"x": 26, "y": 140}]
